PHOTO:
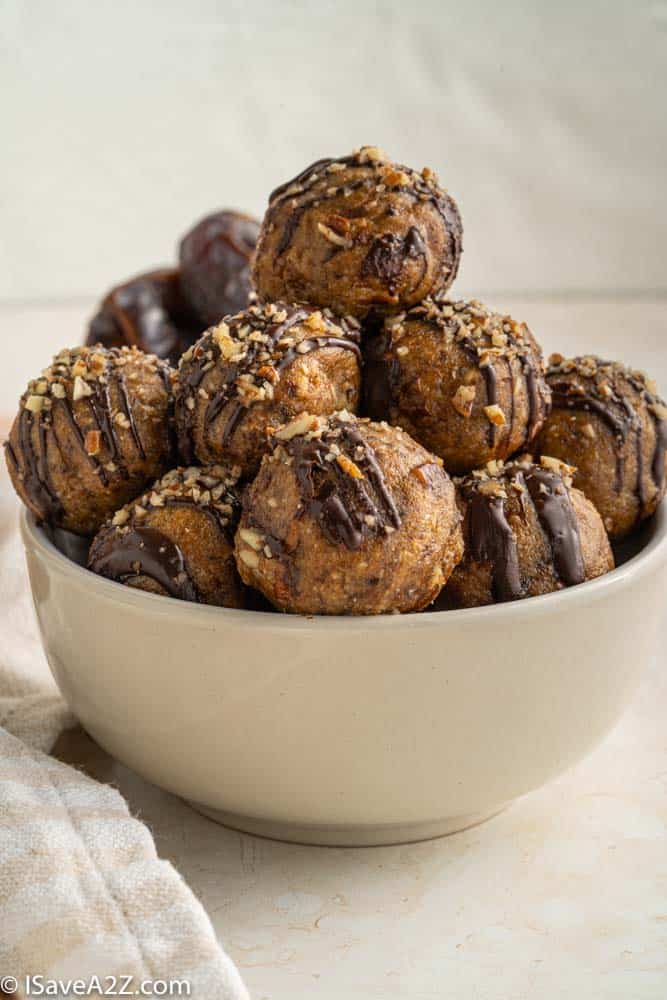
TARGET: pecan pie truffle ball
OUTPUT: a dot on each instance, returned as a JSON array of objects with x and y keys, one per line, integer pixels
[
  {"x": 261, "y": 368},
  {"x": 464, "y": 381},
  {"x": 348, "y": 517},
  {"x": 214, "y": 260},
  {"x": 359, "y": 234},
  {"x": 177, "y": 539},
  {"x": 91, "y": 432},
  {"x": 608, "y": 421},
  {"x": 148, "y": 312},
  {"x": 527, "y": 531}
]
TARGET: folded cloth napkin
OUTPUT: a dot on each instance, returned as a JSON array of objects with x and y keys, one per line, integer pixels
[{"x": 83, "y": 893}]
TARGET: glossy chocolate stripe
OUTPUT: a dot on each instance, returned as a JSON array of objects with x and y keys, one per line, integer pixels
[
  {"x": 34, "y": 469},
  {"x": 146, "y": 552},
  {"x": 659, "y": 453},
  {"x": 556, "y": 514},
  {"x": 491, "y": 539},
  {"x": 127, "y": 407}
]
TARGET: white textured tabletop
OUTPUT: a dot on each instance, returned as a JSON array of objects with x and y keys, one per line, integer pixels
[{"x": 562, "y": 895}]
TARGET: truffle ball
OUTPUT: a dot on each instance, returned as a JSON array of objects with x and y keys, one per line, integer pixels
[
  {"x": 91, "y": 432},
  {"x": 260, "y": 368},
  {"x": 527, "y": 531},
  {"x": 358, "y": 234},
  {"x": 147, "y": 312},
  {"x": 177, "y": 539},
  {"x": 465, "y": 382},
  {"x": 608, "y": 421},
  {"x": 214, "y": 260},
  {"x": 348, "y": 517}
]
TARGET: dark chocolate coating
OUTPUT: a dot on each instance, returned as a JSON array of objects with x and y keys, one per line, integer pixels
[
  {"x": 214, "y": 259},
  {"x": 148, "y": 312},
  {"x": 359, "y": 234}
]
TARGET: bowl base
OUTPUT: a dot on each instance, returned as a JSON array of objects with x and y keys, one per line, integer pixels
[{"x": 345, "y": 836}]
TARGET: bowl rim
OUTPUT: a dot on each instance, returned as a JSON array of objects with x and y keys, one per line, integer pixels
[{"x": 647, "y": 559}]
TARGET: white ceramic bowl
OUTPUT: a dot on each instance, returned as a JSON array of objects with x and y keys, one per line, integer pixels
[{"x": 348, "y": 730}]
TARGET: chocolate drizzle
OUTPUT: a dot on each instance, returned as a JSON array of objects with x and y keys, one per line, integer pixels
[
  {"x": 575, "y": 396},
  {"x": 278, "y": 357},
  {"x": 388, "y": 254},
  {"x": 101, "y": 406},
  {"x": 512, "y": 405},
  {"x": 307, "y": 174},
  {"x": 129, "y": 413},
  {"x": 658, "y": 464},
  {"x": 491, "y": 385},
  {"x": 529, "y": 367},
  {"x": 491, "y": 539},
  {"x": 600, "y": 387},
  {"x": 146, "y": 552},
  {"x": 34, "y": 469},
  {"x": 348, "y": 508},
  {"x": 559, "y": 523},
  {"x": 537, "y": 407}
]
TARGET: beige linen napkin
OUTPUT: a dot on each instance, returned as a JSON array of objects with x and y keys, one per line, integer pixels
[{"x": 82, "y": 891}]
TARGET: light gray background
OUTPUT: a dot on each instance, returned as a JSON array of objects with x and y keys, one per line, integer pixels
[{"x": 125, "y": 121}]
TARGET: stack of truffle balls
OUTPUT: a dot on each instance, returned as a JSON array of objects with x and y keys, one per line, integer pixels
[{"x": 343, "y": 438}]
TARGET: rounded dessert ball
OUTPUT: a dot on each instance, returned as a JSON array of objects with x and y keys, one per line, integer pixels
[
  {"x": 527, "y": 531},
  {"x": 608, "y": 421},
  {"x": 147, "y": 312},
  {"x": 260, "y": 368},
  {"x": 359, "y": 234},
  {"x": 177, "y": 539},
  {"x": 466, "y": 382},
  {"x": 348, "y": 517},
  {"x": 91, "y": 432},
  {"x": 214, "y": 258}
]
